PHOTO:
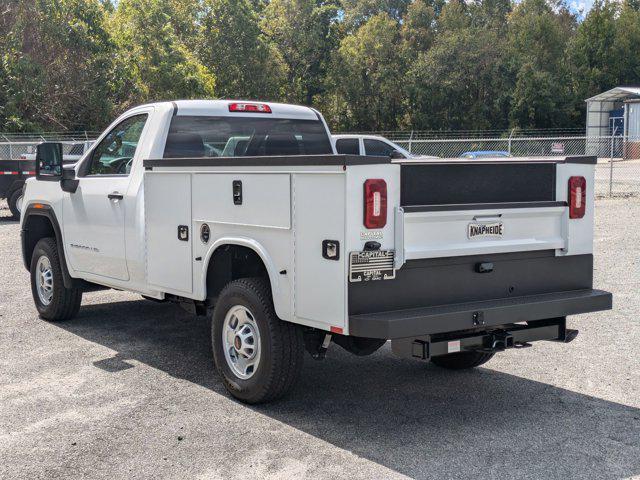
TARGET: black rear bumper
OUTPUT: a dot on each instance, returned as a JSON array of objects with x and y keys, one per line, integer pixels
[{"x": 464, "y": 316}]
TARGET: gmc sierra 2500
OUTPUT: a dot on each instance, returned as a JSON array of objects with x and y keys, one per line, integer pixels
[{"x": 242, "y": 211}]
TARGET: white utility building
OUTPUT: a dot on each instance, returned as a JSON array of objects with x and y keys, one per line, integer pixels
[{"x": 616, "y": 113}]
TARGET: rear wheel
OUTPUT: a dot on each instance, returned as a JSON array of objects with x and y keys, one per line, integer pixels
[
  {"x": 258, "y": 355},
  {"x": 462, "y": 360},
  {"x": 15, "y": 203},
  {"x": 53, "y": 300}
]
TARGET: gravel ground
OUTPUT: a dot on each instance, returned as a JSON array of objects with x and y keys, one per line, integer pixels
[{"x": 128, "y": 390}]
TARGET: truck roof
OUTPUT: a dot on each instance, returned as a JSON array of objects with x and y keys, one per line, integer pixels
[{"x": 221, "y": 108}]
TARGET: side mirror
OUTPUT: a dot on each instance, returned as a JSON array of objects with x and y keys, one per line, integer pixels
[
  {"x": 49, "y": 161},
  {"x": 395, "y": 155}
]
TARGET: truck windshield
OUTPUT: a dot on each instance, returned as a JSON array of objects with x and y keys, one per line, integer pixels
[{"x": 198, "y": 136}]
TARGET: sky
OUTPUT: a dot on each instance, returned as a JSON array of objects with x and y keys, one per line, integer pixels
[{"x": 580, "y": 6}]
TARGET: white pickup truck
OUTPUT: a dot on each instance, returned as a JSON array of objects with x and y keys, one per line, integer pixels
[{"x": 288, "y": 246}]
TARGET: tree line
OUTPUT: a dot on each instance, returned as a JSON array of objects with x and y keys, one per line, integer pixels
[{"x": 366, "y": 64}]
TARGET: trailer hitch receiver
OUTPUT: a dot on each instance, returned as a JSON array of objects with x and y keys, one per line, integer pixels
[
  {"x": 501, "y": 340},
  {"x": 498, "y": 341}
]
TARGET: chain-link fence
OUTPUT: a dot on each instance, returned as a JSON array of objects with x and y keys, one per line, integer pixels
[
  {"x": 22, "y": 146},
  {"x": 26, "y": 150},
  {"x": 617, "y": 171}
]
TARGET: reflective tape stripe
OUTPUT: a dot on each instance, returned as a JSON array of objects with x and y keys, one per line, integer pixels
[
  {"x": 10, "y": 173},
  {"x": 29, "y": 173}
]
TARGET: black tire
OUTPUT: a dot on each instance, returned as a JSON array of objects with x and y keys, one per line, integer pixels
[
  {"x": 13, "y": 203},
  {"x": 462, "y": 360},
  {"x": 65, "y": 302},
  {"x": 281, "y": 343}
]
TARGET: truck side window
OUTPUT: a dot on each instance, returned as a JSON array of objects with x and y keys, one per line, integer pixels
[
  {"x": 348, "y": 146},
  {"x": 114, "y": 154},
  {"x": 377, "y": 148}
]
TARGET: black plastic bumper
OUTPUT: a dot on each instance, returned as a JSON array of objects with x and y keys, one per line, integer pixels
[{"x": 464, "y": 316}]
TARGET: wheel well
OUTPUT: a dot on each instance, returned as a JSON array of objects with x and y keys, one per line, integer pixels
[
  {"x": 230, "y": 262},
  {"x": 35, "y": 227}
]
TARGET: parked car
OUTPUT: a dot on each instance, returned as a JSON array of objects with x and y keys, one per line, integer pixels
[
  {"x": 485, "y": 154},
  {"x": 288, "y": 246},
  {"x": 372, "y": 145}
]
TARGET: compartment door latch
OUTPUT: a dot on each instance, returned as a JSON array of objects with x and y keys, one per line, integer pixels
[
  {"x": 183, "y": 233},
  {"x": 237, "y": 192}
]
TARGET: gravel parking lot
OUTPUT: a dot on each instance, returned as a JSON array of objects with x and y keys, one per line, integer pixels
[{"x": 128, "y": 390}]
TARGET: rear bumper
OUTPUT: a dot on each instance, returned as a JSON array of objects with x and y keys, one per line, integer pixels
[{"x": 464, "y": 316}]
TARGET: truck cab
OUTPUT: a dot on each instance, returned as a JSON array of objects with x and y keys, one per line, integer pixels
[{"x": 244, "y": 212}]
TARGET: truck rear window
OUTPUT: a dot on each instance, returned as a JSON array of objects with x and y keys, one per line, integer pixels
[{"x": 198, "y": 136}]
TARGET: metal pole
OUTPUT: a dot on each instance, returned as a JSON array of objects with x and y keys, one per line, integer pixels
[
  {"x": 510, "y": 135},
  {"x": 613, "y": 134},
  {"x": 410, "y": 142}
]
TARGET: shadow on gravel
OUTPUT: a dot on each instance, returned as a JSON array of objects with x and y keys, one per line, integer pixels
[{"x": 413, "y": 418}]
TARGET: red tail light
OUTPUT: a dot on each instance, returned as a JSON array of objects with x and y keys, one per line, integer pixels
[
  {"x": 577, "y": 197},
  {"x": 375, "y": 203},
  {"x": 250, "y": 107}
]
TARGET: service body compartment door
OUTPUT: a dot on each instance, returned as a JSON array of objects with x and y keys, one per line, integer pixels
[
  {"x": 319, "y": 216},
  {"x": 168, "y": 231}
]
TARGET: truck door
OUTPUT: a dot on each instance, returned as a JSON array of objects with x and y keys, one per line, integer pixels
[{"x": 94, "y": 215}]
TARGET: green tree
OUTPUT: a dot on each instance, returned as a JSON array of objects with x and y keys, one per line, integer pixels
[
  {"x": 245, "y": 64},
  {"x": 366, "y": 79},
  {"x": 56, "y": 65},
  {"x": 603, "y": 53},
  {"x": 358, "y": 12},
  {"x": 301, "y": 31},
  {"x": 459, "y": 81},
  {"x": 538, "y": 36},
  {"x": 457, "y": 84},
  {"x": 418, "y": 27},
  {"x": 154, "y": 63}
]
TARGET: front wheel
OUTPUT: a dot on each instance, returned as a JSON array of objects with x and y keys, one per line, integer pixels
[
  {"x": 462, "y": 360},
  {"x": 257, "y": 355},
  {"x": 53, "y": 300}
]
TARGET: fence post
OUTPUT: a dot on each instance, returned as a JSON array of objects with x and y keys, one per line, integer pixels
[
  {"x": 509, "y": 144},
  {"x": 611, "y": 166},
  {"x": 410, "y": 142}
]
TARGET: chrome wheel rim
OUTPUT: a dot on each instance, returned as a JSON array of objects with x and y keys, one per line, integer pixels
[
  {"x": 44, "y": 280},
  {"x": 19, "y": 204},
  {"x": 241, "y": 342}
]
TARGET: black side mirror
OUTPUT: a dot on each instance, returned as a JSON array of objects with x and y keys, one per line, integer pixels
[
  {"x": 395, "y": 155},
  {"x": 49, "y": 161}
]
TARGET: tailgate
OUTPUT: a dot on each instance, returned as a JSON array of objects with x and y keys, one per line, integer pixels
[
  {"x": 470, "y": 232},
  {"x": 458, "y": 208}
]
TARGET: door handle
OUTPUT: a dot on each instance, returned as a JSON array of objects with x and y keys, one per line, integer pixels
[{"x": 115, "y": 196}]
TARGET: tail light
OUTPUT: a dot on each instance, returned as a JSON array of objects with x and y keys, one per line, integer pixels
[
  {"x": 375, "y": 203},
  {"x": 250, "y": 107},
  {"x": 577, "y": 197}
]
